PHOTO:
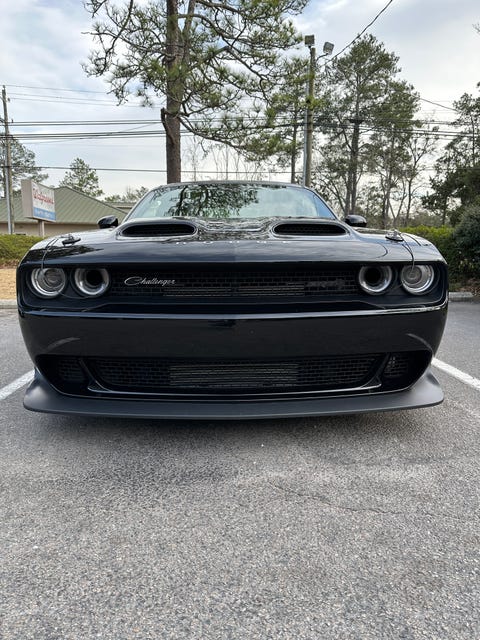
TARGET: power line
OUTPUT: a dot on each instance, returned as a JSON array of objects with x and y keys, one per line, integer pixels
[
  {"x": 93, "y": 103},
  {"x": 55, "y": 123},
  {"x": 284, "y": 120},
  {"x": 437, "y": 104},
  {"x": 99, "y": 169},
  {"x": 341, "y": 126},
  {"x": 116, "y": 169},
  {"x": 26, "y": 86},
  {"x": 358, "y": 36}
]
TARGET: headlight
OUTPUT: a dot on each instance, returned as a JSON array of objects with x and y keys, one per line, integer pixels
[
  {"x": 91, "y": 282},
  {"x": 48, "y": 282},
  {"x": 375, "y": 280},
  {"x": 417, "y": 278}
]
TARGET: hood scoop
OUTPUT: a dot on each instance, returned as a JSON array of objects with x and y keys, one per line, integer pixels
[
  {"x": 306, "y": 229},
  {"x": 160, "y": 229}
]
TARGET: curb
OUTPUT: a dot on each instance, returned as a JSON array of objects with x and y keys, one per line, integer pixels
[
  {"x": 459, "y": 296},
  {"x": 8, "y": 304}
]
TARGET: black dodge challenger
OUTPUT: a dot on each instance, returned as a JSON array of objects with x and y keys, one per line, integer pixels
[{"x": 232, "y": 300}]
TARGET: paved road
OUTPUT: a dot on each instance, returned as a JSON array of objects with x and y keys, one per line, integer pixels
[{"x": 341, "y": 528}]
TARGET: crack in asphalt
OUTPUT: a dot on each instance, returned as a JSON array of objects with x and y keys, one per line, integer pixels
[{"x": 333, "y": 505}]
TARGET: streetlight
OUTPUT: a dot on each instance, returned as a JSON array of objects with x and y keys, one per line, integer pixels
[
  {"x": 307, "y": 152},
  {"x": 327, "y": 49}
]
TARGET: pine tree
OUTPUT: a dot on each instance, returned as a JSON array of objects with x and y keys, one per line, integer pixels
[
  {"x": 202, "y": 58},
  {"x": 82, "y": 178}
]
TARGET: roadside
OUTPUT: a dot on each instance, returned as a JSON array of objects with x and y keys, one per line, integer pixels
[{"x": 7, "y": 284}]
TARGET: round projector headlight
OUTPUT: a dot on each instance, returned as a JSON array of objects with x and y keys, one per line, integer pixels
[
  {"x": 91, "y": 282},
  {"x": 376, "y": 279},
  {"x": 417, "y": 278},
  {"x": 48, "y": 282}
]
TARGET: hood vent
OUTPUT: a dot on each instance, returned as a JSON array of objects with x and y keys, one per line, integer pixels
[
  {"x": 309, "y": 229},
  {"x": 157, "y": 229}
]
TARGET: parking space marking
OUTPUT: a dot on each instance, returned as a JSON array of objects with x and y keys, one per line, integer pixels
[
  {"x": 15, "y": 385},
  {"x": 466, "y": 378}
]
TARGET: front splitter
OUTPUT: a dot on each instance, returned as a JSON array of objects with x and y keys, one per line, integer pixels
[{"x": 41, "y": 396}]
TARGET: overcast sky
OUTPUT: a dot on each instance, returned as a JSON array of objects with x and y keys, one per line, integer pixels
[{"x": 44, "y": 42}]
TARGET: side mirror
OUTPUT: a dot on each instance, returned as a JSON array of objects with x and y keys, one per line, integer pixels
[
  {"x": 355, "y": 221},
  {"x": 107, "y": 222}
]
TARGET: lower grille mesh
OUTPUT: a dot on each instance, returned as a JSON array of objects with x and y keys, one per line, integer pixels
[
  {"x": 203, "y": 377},
  {"x": 220, "y": 376},
  {"x": 397, "y": 366}
]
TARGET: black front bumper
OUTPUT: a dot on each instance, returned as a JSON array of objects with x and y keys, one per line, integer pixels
[
  {"x": 41, "y": 396},
  {"x": 233, "y": 337}
]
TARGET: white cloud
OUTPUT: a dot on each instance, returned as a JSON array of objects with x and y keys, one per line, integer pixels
[{"x": 438, "y": 48}]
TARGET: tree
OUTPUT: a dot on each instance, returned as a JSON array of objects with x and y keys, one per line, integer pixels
[
  {"x": 390, "y": 143},
  {"x": 467, "y": 237},
  {"x": 278, "y": 132},
  {"x": 130, "y": 195},
  {"x": 419, "y": 148},
  {"x": 82, "y": 178},
  {"x": 358, "y": 86},
  {"x": 202, "y": 57},
  {"x": 367, "y": 120},
  {"x": 456, "y": 182},
  {"x": 331, "y": 172},
  {"x": 23, "y": 164}
]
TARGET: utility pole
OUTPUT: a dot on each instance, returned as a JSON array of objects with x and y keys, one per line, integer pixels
[
  {"x": 309, "y": 41},
  {"x": 307, "y": 148},
  {"x": 293, "y": 153},
  {"x": 7, "y": 169},
  {"x": 389, "y": 179}
]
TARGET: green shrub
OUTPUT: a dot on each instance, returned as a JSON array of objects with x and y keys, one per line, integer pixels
[
  {"x": 443, "y": 238},
  {"x": 13, "y": 248},
  {"x": 467, "y": 239}
]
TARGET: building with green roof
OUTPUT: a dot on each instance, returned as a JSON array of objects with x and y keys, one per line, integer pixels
[{"x": 75, "y": 212}]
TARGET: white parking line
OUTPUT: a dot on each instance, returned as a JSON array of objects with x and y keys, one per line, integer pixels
[
  {"x": 16, "y": 384},
  {"x": 456, "y": 373}
]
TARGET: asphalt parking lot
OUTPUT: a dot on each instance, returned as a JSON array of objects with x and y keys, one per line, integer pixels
[{"x": 336, "y": 528}]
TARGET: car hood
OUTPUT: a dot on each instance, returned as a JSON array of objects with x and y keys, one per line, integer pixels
[{"x": 272, "y": 240}]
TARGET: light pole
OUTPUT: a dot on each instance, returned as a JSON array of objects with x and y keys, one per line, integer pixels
[
  {"x": 7, "y": 170},
  {"x": 307, "y": 150}
]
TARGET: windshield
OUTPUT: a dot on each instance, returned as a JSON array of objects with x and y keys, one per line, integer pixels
[{"x": 231, "y": 200}]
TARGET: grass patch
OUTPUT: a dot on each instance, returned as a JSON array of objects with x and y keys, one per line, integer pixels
[{"x": 13, "y": 248}]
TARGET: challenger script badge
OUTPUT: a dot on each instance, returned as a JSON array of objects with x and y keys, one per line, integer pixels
[{"x": 135, "y": 281}]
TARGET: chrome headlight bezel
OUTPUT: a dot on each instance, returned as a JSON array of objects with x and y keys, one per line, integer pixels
[
  {"x": 38, "y": 281},
  {"x": 375, "y": 279},
  {"x": 424, "y": 282},
  {"x": 88, "y": 286}
]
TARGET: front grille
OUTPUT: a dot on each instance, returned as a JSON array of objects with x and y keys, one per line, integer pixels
[
  {"x": 155, "y": 375},
  {"x": 230, "y": 283},
  {"x": 70, "y": 371},
  {"x": 218, "y": 378},
  {"x": 397, "y": 366}
]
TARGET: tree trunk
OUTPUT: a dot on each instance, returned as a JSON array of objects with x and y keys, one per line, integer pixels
[
  {"x": 409, "y": 201},
  {"x": 170, "y": 115},
  {"x": 173, "y": 147},
  {"x": 389, "y": 180},
  {"x": 351, "y": 197}
]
